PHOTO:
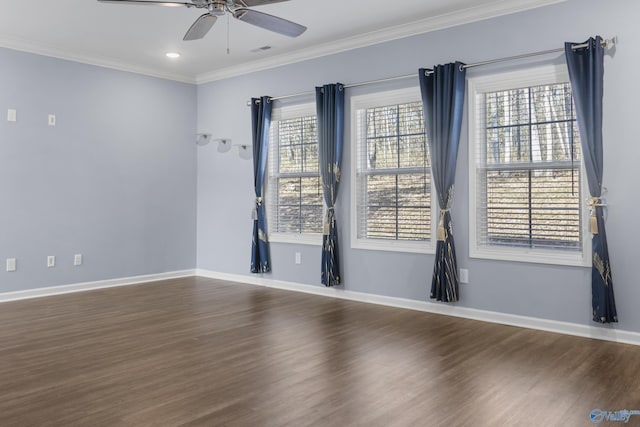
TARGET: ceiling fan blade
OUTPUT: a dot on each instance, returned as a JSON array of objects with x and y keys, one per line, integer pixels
[
  {"x": 149, "y": 3},
  {"x": 269, "y": 22},
  {"x": 201, "y": 27},
  {"x": 254, "y": 3}
]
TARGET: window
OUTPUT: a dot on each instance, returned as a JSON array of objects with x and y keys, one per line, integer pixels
[
  {"x": 391, "y": 192},
  {"x": 295, "y": 200},
  {"x": 526, "y": 174}
]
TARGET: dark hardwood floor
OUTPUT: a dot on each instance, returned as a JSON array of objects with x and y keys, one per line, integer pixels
[{"x": 202, "y": 352}]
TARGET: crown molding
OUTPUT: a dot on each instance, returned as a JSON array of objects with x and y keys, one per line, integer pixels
[
  {"x": 448, "y": 20},
  {"x": 38, "y": 49}
]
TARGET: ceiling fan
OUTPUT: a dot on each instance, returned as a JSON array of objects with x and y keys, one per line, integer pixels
[{"x": 239, "y": 9}]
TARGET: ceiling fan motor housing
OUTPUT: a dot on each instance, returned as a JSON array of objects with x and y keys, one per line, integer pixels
[
  {"x": 217, "y": 8},
  {"x": 239, "y": 9}
]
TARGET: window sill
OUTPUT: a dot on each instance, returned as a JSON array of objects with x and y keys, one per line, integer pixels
[
  {"x": 393, "y": 246},
  {"x": 533, "y": 256},
  {"x": 313, "y": 239}
]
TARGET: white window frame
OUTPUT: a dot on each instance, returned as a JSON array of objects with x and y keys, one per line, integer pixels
[
  {"x": 285, "y": 113},
  {"x": 550, "y": 74},
  {"x": 359, "y": 104}
]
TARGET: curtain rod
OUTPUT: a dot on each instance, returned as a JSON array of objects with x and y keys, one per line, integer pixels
[
  {"x": 605, "y": 43},
  {"x": 388, "y": 79}
]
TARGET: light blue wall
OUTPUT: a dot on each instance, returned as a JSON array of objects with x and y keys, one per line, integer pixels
[
  {"x": 225, "y": 193},
  {"x": 114, "y": 180}
]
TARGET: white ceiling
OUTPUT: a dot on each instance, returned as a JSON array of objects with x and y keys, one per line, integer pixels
[{"x": 136, "y": 38}]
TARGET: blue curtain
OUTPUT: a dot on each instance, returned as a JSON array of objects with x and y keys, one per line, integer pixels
[
  {"x": 260, "y": 122},
  {"x": 330, "y": 110},
  {"x": 586, "y": 72},
  {"x": 443, "y": 100}
]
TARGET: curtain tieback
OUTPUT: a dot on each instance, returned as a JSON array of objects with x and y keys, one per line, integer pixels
[
  {"x": 442, "y": 233},
  {"x": 327, "y": 223},
  {"x": 254, "y": 211},
  {"x": 593, "y": 203}
]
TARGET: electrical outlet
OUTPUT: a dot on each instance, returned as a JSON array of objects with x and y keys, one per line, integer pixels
[
  {"x": 77, "y": 259},
  {"x": 11, "y": 264},
  {"x": 52, "y": 120},
  {"x": 51, "y": 261},
  {"x": 11, "y": 115},
  {"x": 298, "y": 258},
  {"x": 464, "y": 275}
]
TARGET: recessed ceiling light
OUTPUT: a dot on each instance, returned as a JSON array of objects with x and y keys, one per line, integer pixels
[{"x": 173, "y": 55}]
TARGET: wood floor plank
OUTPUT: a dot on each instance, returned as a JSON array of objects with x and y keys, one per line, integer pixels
[{"x": 204, "y": 352}]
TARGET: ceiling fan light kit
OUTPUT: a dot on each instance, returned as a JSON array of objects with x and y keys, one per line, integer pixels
[{"x": 239, "y": 9}]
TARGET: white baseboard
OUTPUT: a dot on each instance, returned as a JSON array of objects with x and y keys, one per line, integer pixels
[
  {"x": 567, "y": 328},
  {"x": 79, "y": 287}
]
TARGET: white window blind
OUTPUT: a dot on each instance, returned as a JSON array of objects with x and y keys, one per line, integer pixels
[
  {"x": 528, "y": 174},
  {"x": 393, "y": 175},
  {"x": 295, "y": 191}
]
